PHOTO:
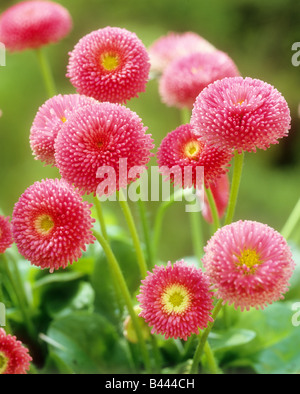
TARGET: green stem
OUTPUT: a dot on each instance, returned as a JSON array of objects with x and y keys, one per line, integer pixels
[
  {"x": 19, "y": 280},
  {"x": 156, "y": 353},
  {"x": 146, "y": 231},
  {"x": 196, "y": 233},
  {"x": 185, "y": 115},
  {"x": 291, "y": 222},
  {"x": 213, "y": 209},
  {"x": 203, "y": 338},
  {"x": 101, "y": 219},
  {"x": 211, "y": 360},
  {"x": 134, "y": 234},
  {"x": 235, "y": 185},
  {"x": 159, "y": 219},
  {"x": 100, "y": 216},
  {"x": 126, "y": 294},
  {"x": 46, "y": 72},
  {"x": 21, "y": 297}
]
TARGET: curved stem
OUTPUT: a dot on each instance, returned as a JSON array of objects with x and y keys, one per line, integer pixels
[
  {"x": 235, "y": 185},
  {"x": 21, "y": 297},
  {"x": 146, "y": 231},
  {"x": 213, "y": 208},
  {"x": 134, "y": 234},
  {"x": 291, "y": 222},
  {"x": 211, "y": 361},
  {"x": 185, "y": 115},
  {"x": 203, "y": 338},
  {"x": 159, "y": 219},
  {"x": 101, "y": 217},
  {"x": 126, "y": 294},
  {"x": 46, "y": 72},
  {"x": 196, "y": 233}
]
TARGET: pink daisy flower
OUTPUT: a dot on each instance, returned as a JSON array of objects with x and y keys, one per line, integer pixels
[
  {"x": 6, "y": 239},
  {"x": 110, "y": 64},
  {"x": 52, "y": 224},
  {"x": 176, "y": 300},
  {"x": 97, "y": 137},
  {"x": 174, "y": 45},
  {"x": 14, "y": 357},
  {"x": 187, "y": 76},
  {"x": 32, "y": 24},
  {"x": 181, "y": 149},
  {"x": 48, "y": 122},
  {"x": 220, "y": 192},
  {"x": 249, "y": 264},
  {"x": 241, "y": 114}
]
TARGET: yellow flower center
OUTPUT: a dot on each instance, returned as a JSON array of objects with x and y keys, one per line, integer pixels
[
  {"x": 109, "y": 61},
  {"x": 3, "y": 363},
  {"x": 250, "y": 259},
  {"x": 175, "y": 299},
  {"x": 239, "y": 102},
  {"x": 44, "y": 224},
  {"x": 196, "y": 70},
  {"x": 63, "y": 119},
  {"x": 191, "y": 149}
]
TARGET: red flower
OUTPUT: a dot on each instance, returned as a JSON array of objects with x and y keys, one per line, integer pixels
[
  {"x": 49, "y": 120},
  {"x": 6, "y": 239},
  {"x": 99, "y": 136},
  {"x": 181, "y": 149},
  {"x": 241, "y": 114},
  {"x": 176, "y": 300},
  {"x": 187, "y": 76},
  {"x": 14, "y": 357},
  {"x": 109, "y": 64},
  {"x": 220, "y": 192},
  {"x": 249, "y": 264},
  {"x": 32, "y": 24},
  {"x": 174, "y": 45},
  {"x": 52, "y": 224}
]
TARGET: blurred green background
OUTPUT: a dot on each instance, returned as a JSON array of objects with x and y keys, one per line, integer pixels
[{"x": 257, "y": 34}]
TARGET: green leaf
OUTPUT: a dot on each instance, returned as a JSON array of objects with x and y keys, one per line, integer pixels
[
  {"x": 282, "y": 358},
  {"x": 62, "y": 301},
  {"x": 276, "y": 345},
  {"x": 57, "y": 278},
  {"x": 229, "y": 339},
  {"x": 108, "y": 300},
  {"x": 88, "y": 344},
  {"x": 55, "y": 365}
]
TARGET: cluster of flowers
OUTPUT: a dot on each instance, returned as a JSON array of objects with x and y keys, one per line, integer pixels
[{"x": 246, "y": 263}]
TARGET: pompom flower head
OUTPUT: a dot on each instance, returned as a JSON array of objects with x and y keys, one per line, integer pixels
[
  {"x": 174, "y": 45},
  {"x": 109, "y": 64},
  {"x": 14, "y": 357},
  {"x": 32, "y": 24},
  {"x": 176, "y": 300},
  {"x": 187, "y": 76},
  {"x": 52, "y": 224},
  {"x": 98, "y": 137},
  {"x": 249, "y": 264},
  {"x": 241, "y": 114},
  {"x": 6, "y": 239},
  {"x": 49, "y": 120},
  {"x": 181, "y": 149}
]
